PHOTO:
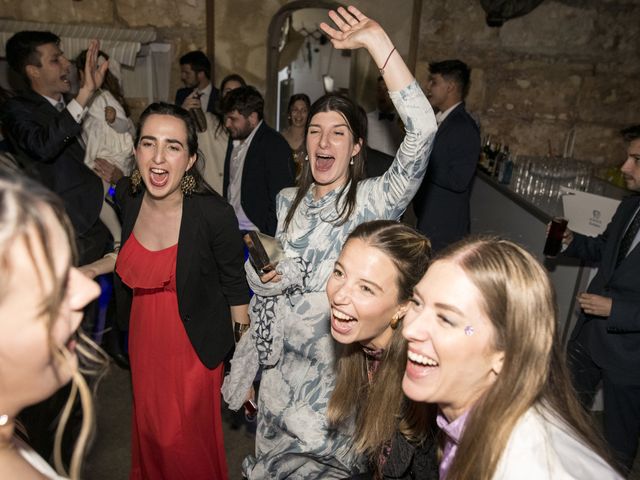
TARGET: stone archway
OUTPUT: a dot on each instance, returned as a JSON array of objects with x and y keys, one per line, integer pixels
[{"x": 273, "y": 38}]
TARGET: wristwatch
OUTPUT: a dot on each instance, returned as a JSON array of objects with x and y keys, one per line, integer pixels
[{"x": 239, "y": 329}]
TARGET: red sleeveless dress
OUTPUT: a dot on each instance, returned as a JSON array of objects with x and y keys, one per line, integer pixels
[{"x": 176, "y": 422}]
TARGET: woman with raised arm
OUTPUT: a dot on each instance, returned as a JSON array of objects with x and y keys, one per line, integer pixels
[
  {"x": 42, "y": 297},
  {"x": 290, "y": 335},
  {"x": 484, "y": 346}
]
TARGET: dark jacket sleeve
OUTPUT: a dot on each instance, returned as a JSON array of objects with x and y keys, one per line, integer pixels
[
  {"x": 280, "y": 174},
  {"x": 43, "y": 142},
  {"x": 226, "y": 244},
  {"x": 455, "y": 168}
]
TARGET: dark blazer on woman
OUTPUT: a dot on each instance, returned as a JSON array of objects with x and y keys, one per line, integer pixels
[{"x": 209, "y": 270}]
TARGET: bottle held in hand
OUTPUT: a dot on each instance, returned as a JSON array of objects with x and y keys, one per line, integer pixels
[{"x": 554, "y": 238}]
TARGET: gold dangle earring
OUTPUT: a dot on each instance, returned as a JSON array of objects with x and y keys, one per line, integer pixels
[
  {"x": 136, "y": 180},
  {"x": 187, "y": 184}
]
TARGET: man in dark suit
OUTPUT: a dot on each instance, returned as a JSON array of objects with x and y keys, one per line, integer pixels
[
  {"x": 195, "y": 73},
  {"x": 442, "y": 202},
  {"x": 44, "y": 129},
  {"x": 605, "y": 343},
  {"x": 258, "y": 163}
]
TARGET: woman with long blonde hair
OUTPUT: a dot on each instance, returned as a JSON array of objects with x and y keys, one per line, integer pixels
[
  {"x": 369, "y": 291},
  {"x": 484, "y": 346},
  {"x": 42, "y": 297}
]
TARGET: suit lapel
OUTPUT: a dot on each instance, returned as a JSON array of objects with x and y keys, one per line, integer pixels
[
  {"x": 634, "y": 255},
  {"x": 187, "y": 246},
  {"x": 248, "y": 169}
]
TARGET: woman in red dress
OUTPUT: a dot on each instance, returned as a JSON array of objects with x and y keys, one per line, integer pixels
[{"x": 180, "y": 282}]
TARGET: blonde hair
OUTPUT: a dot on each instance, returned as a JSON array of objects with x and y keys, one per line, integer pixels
[
  {"x": 518, "y": 298},
  {"x": 380, "y": 407},
  {"x": 22, "y": 203}
]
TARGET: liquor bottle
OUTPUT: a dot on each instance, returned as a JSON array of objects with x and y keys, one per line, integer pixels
[
  {"x": 506, "y": 168},
  {"x": 483, "y": 163},
  {"x": 493, "y": 158}
]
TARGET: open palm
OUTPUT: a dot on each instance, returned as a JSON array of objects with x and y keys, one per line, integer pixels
[{"x": 354, "y": 28}]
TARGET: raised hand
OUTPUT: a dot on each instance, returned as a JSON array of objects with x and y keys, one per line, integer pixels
[
  {"x": 355, "y": 30},
  {"x": 94, "y": 75}
]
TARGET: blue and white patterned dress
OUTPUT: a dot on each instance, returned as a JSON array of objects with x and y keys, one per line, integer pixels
[{"x": 291, "y": 335}]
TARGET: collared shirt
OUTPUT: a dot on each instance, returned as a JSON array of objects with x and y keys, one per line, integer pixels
[
  {"x": 453, "y": 433},
  {"x": 234, "y": 191},
  {"x": 76, "y": 111},
  {"x": 205, "y": 94},
  {"x": 440, "y": 116}
]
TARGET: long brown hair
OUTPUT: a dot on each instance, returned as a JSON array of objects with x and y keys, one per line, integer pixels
[
  {"x": 518, "y": 298},
  {"x": 379, "y": 406},
  {"x": 22, "y": 202},
  {"x": 334, "y": 102}
]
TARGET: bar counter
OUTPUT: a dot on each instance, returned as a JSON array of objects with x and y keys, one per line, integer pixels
[{"x": 497, "y": 209}]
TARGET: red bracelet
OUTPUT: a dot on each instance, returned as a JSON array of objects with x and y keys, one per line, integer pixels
[{"x": 386, "y": 61}]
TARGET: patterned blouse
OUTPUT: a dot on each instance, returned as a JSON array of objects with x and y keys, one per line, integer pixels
[{"x": 291, "y": 336}]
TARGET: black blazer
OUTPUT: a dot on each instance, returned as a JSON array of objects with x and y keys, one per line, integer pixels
[
  {"x": 613, "y": 342},
  {"x": 49, "y": 140},
  {"x": 209, "y": 270},
  {"x": 268, "y": 168},
  {"x": 183, "y": 93},
  {"x": 442, "y": 201}
]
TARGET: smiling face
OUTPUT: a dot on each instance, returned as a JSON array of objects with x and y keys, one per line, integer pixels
[
  {"x": 29, "y": 371},
  {"x": 631, "y": 167},
  {"x": 363, "y": 294},
  {"x": 330, "y": 145},
  {"x": 51, "y": 78},
  {"x": 452, "y": 361},
  {"x": 162, "y": 155},
  {"x": 299, "y": 113}
]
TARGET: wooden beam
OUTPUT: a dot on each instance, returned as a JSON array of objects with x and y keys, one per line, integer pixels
[{"x": 210, "y": 34}]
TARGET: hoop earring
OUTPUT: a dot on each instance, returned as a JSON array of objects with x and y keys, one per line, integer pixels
[
  {"x": 187, "y": 184},
  {"x": 136, "y": 180}
]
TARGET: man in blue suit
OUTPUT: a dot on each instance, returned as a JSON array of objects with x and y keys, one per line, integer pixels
[
  {"x": 605, "y": 343},
  {"x": 195, "y": 73},
  {"x": 442, "y": 202}
]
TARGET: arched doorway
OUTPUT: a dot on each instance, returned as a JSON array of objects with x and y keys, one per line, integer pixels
[{"x": 274, "y": 38}]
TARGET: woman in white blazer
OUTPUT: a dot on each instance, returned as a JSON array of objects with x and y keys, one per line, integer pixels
[{"x": 484, "y": 346}]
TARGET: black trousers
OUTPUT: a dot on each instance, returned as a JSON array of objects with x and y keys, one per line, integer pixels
[{"x": 621, "y": 402}]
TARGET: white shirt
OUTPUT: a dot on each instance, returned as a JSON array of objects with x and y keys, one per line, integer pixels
[
  {"x": 440, "y": 116},
  {"x": 205, "y": 94},
  {"x": 234, "y": 190},
  {"x": 544, "y": 448},
  {"x": 76, "y": 111}
]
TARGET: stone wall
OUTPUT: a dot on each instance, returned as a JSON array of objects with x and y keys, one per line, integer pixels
[{"x": 567, "y": 65}]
